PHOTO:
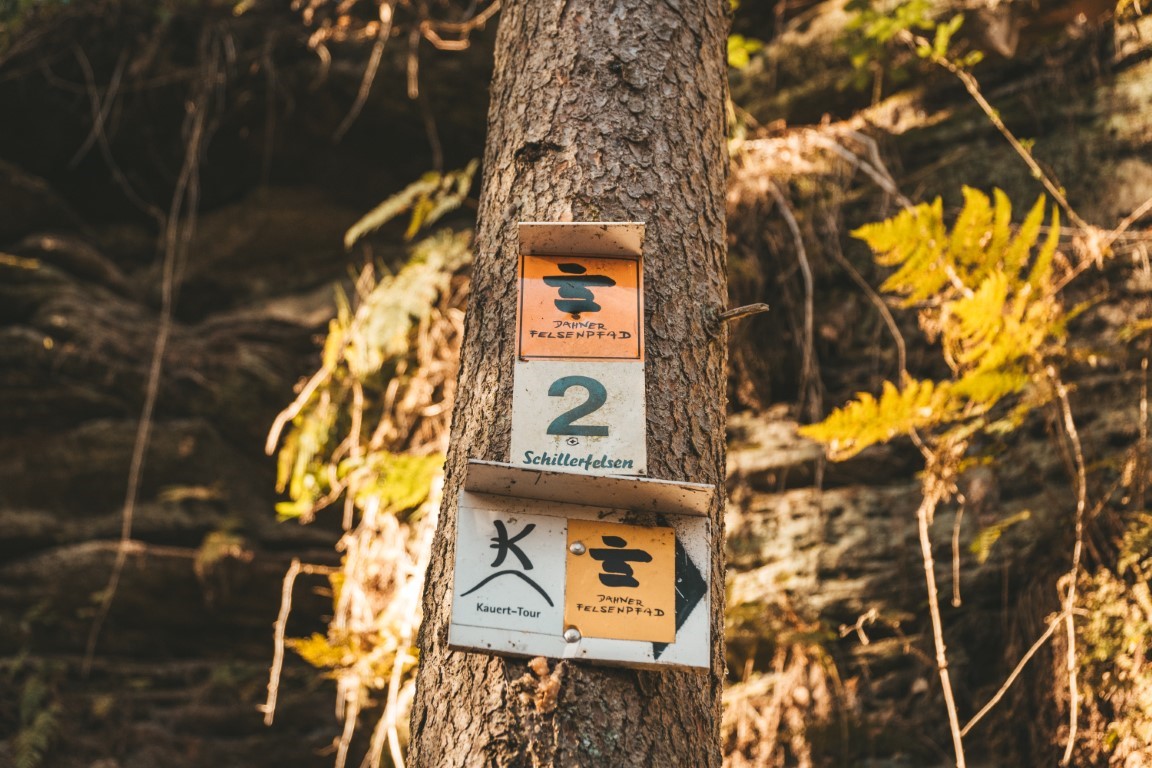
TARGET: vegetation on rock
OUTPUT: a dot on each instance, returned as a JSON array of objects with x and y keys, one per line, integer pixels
[{"x": 1000, "y": 346}]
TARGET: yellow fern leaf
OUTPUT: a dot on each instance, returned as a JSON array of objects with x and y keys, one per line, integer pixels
[
  {"x": 869, "y": 420},
  {"x": 975, "y": 323},
  {"x": 1001, "y": 222},
  {"x": 983, "y": 389},
  {"x": 913, "y": 241},
  {"x": 971, "y": 233},
  {"x": 989, "y": 294},
  {"x": 1040, "y": 277},
  {"x": 1015, "y": 254}
]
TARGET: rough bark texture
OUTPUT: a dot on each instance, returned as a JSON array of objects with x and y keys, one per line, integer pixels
[{"x": 597, "y": 114}]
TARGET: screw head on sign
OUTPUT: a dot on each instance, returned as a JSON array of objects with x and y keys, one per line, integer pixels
[
  {"x": 577, "y": 548},
  {"x": 571, "y": 635}
]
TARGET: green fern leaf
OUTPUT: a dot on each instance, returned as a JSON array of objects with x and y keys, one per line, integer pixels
[
  {"x": 391, "y": 208},
  {"x": 396, "y": 305},
  {"x": 399, "y": 482}
]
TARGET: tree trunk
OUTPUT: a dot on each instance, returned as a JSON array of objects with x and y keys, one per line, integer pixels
[{"x": 598, "y": 113}]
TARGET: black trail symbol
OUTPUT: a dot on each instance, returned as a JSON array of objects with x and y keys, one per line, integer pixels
[
  {"x": 573, "y": 285},
  {"x": 503, "y": 545},
  {"x": 617, "y": 571}
]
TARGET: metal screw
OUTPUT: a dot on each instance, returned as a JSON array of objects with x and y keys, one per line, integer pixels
[
  {"x": 571, "y": 635},
  {"x": 577, "y": 548}
]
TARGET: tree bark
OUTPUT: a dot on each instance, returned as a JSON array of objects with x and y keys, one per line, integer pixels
[{"x": 598, "y": 113}]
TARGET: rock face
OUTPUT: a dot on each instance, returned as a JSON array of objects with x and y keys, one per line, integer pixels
[
  {"x": 182, "y": 657},
  {"x": 829, "y": 643},
  {"x": 182, "y": 651}
]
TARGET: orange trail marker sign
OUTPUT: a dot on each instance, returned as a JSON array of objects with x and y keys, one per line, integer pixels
[
  {"x": 587, "y": 307},
  {"x": 621, "y": 581}
]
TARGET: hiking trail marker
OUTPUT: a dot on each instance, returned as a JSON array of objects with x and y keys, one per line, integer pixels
[
  {"x": 539, "y": 577},
  {"x": 578, "y": 392},
  {"x": 568, "y": 551}
]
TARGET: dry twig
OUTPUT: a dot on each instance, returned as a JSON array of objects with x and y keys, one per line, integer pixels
[
  {"x": 809, "y": 374},
  {"x": 923, "y": 514},
  {"x": 1053, "y": 624},
  {"x": 1069, "y": 426},
  {"x": 180, "y": 223}
]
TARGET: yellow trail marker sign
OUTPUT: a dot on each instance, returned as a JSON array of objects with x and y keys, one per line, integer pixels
[{"x": 621, "y": 581}]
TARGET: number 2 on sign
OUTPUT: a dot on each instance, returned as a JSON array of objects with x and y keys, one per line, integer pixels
[{"x": 597, "y": 396}]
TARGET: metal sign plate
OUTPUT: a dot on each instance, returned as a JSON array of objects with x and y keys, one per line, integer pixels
[
  {"x": 640, "y": 494},
  {"x": 506, "y": 576},
  {"x": 579, "y": 416},
  {"x": 496, "y": 610},
  {"x": 621, "y": 581},
  {"x": 587, "y": 307},
  {"x": 565, "y": 238}
]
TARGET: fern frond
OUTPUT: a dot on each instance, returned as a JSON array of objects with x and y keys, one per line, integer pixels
[
  {"x": 458, "y": 183},
  {"x": 983, "y": 389},
  {"x": 1040, "y": 277},
  {"x": 1134, "y": 329},
  {"x": 993, "y": 304},
  {"x": 869, "y": 420},
  {"x": 1001, "y": 222},
  {"x": 399, "y": 482},
  {"x": 974, "y": 324},
  {"x": 1016, "y": 254},
  {"x": 913, "y": 241},
  {"x": 396, "y": 305},
  {"x": 35, "y": 739},
  {"x": 429, "y": 198},
  {"x": 392, "y": 207},
  {"x": 972, "y": 232},
  {"x": 982, "y": 544},
  {"x": 359, "y": 346}
]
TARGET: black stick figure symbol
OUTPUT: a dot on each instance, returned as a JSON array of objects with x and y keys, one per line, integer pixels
[
  {"x": 573, "y": 285},
  {"x": 617, "y": 572}
]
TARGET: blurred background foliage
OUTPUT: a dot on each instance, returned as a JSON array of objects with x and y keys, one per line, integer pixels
[{"x": 218, "y": 167}]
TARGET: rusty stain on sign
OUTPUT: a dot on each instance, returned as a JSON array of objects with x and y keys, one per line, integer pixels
[{"x": 621, "y": 581}]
